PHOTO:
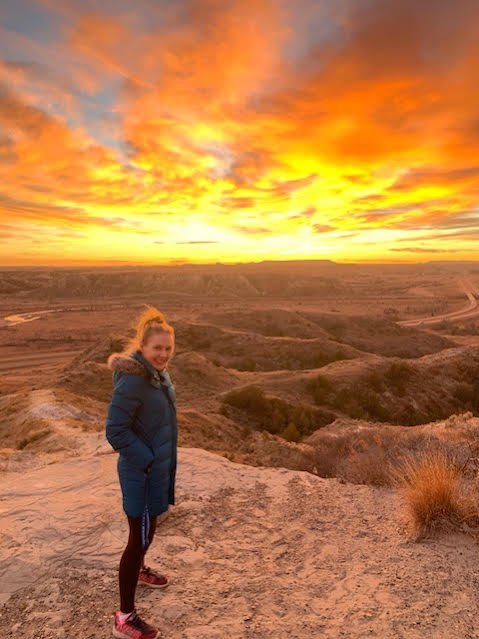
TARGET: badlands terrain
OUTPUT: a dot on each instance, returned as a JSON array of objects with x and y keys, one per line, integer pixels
[{"x": 301, "y": 386}]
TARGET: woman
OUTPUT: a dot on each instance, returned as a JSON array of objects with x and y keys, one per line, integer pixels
[{"x": 141, "y": 426}]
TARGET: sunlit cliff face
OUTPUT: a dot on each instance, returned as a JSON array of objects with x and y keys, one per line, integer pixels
[
  {"x": 158, "y": 350},
  {"x": 206, "y": 131}
]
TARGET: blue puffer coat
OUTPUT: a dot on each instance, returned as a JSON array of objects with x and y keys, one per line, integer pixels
[{"x": 141, "y": 426}]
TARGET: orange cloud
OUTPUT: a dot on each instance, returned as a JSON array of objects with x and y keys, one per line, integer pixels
[{"x": 339, "y": 128}]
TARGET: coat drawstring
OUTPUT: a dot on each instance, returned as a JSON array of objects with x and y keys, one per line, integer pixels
[{"x": 145, "y": 520}]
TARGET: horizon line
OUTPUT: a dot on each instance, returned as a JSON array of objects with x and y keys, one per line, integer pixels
[{"x": 121, "y": 264}]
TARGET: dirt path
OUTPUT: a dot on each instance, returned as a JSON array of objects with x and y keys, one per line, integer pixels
[
  {"x": 253, "y": 553},
  {"x": 469, "y": 312}
]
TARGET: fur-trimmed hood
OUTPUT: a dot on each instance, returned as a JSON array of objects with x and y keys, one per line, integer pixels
[
  {"x": 120, "y": 363},
  {"x": 136, "y": 364}
]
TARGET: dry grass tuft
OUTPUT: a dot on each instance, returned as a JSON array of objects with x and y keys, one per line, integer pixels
[{"x": 432, "y": 488}]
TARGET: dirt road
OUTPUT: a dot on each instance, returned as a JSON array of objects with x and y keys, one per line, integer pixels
[{"x": 469, "y": 312}]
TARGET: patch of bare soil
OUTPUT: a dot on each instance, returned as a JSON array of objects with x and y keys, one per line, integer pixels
[
  {"x": 252, "y": 553},
  {"x": 50, "y": 421}
]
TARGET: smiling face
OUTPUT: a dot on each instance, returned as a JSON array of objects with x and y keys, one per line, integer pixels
[{"x": 158, "y": 349}]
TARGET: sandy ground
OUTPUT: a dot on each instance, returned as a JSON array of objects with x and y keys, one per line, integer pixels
[{"x": 254, "y": 553}]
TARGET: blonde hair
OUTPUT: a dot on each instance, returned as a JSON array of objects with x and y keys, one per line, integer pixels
[{"x": 151, "y": 321}]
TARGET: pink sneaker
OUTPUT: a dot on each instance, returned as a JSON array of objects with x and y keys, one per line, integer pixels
[
  {"x": 148, "y": 577},
  {"x": 134, "y": 628}
]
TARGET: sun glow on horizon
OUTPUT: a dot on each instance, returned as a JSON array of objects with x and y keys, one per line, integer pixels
[{"x": 235, "y": 132}]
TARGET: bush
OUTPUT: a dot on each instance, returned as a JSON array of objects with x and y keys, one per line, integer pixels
[
  {"x": 359, "y": 457},
  {"x": 373, "y": 454},
  {"x": 398, "y": 374},
  {"x": 250, "y": 398},
  {"x": 464, "y": 393},
  {"x": 359, "y": 400},
  {"x": 245, "y": 364},
  {"x": 291, "y": 433},
  {"x": 390, "y": 394},
  {"x": 321, "y": 389},
  {"x": 432, "y": 490},
  {"x": 273, "y": 414}
]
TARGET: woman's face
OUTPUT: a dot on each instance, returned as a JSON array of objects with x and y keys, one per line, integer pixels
[{"x": 158, "y": 350}]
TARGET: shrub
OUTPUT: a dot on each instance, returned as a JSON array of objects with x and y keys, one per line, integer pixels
[
  {"x": 390, "y": 395},
  {"x": 398, "y": 374},
  {"x": 370, "y": 466},
  {"x": 245, "y": 364},
  {"x": 464, "y": 393},
  {"x": 273, "y": 414},
  {"x": 323, "y": 358},
  {"x": 376, "y": 381},
  {"x": 430, "y": 484},
  {"x": 250, "y": 398},
  {"x": 372, "y": 455},
  {"x": 291, "y": 433},
  {"x": 359, "y": 457},
  {"x": 321, "y": 389}
]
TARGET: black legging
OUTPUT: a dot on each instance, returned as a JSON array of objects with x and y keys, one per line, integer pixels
[{"x": 131, "y": 562}]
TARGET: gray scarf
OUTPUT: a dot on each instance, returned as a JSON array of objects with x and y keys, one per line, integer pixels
[
  {"x": 166, "y": 382},
  {"x": 160, "y": 379}
]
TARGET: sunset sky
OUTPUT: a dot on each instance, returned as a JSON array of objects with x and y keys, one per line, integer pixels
[{"x": 161, "y": 131}]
